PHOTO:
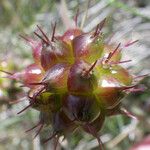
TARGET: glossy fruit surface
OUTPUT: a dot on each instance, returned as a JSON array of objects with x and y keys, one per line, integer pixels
[
  {"x": 79, "y": 79},
  {"x": 87, "y": 48}
]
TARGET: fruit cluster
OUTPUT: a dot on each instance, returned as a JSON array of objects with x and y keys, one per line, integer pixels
[{"x": 75, "y": 81}]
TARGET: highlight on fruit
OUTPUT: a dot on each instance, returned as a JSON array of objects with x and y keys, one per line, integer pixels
[{"x": 76, "y": 80}]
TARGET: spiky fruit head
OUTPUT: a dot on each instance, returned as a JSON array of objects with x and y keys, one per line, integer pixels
[{"x": 76, "y": 80}]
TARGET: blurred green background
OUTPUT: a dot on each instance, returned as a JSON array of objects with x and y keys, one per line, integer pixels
[{"x": 127, "y": 20}]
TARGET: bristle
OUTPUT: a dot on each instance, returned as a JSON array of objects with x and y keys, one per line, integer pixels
[
  {"x": 127, "y": 87},
  {"x": 141, "y": 76},
  {"x": 56, "y": 141},
  {"x": 39, "y": 123},
  {"x": 136, "y": 90},
  {"x": 36, "y": 94},
  {"x": 41, "y": 38},
  {"x": 39, "y": 130},
  {"x": 86, "y": 14},
  {"x": 99, "y": 28},
  {"x": 51, "y": 137},
  {"x": 11, "y": 77},
  {"x": 119, "y": 62},
  {"x": 38, "y": 83},
  {"x": 101, "y": 24},
  {"x": 27, "y": 39},
  {"x": 33, "y": 100},
  {"x": 53, "y": 33},
  {"x": 96, "y": 31},
  {"x": 130, "y": 43},
  {"x": 30, "y": 105},
  {"x": 111, "y": 54},
  {"x": 23, "y": 85},
  {"x": 47, "y": 39},
  {"x": 9, "y": 73},
  {"x": 76, "y": 18},
  {"x": 127, "y": 113},
  {"x": 93, "y": 132},
  {"x": 91, "y": 68}
]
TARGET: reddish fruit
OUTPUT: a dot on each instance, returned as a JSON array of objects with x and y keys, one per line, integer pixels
[
  {"x": 54, "y": 54},
  {"x": 87, "y": 48},
  {"x": 80, "y": 79},
  {"x": 69, "y": 35},
  {"x": 56, "y": 77},
  {"x": 81, "y": 107},
  {"x": 32, "y": 73},
  {"x": 111, "y": 85}
]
